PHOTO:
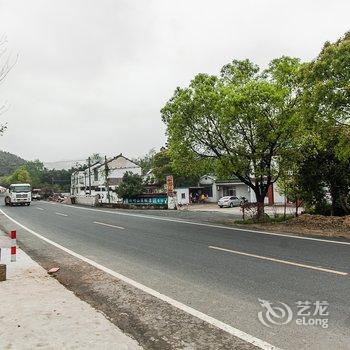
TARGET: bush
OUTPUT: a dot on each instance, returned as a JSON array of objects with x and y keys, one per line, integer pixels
[
  {"x": 320, "y": 208},
  {"x": 266, "y": 220}
]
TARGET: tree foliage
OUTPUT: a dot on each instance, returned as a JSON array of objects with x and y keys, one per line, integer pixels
[
  {"x": 163, "y": 165},
  {"x": 21, "y": 175},
  {"x": 131, "y": 185},
  {"x": 240, "y": 123},
  {"x": 146, "y": 161},
  {"x": 35, "y": 170},
  {"x": 323, "y": 174},
  {"x": 327, "y": 82},
  {"x": 325, "y": 110},
  {"x": 38, "y": 176}
]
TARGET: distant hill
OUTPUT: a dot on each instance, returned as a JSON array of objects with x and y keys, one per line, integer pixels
[{"x": 9, "y": 163}]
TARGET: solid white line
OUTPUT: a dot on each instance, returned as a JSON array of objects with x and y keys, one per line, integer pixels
[
  {"x": 213, "y": 321},
  {"x": 108, "y": 225},
  {"x": 207, "y": 225},
  {"x": 39, "y": 208},
  {"x": 280, "y": 261},
  {"x": 61, "y": 214}
]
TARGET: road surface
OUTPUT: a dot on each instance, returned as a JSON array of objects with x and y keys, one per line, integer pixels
[{"x": 223, "y": 272}]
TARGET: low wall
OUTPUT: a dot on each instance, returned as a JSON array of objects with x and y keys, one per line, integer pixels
[{"x": 86, "y": 200}]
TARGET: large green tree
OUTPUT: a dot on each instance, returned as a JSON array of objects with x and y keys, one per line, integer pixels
[
  {"x": 325, "y": 110},
  {"x": 241, "y": 123},
  {"x": 326, "y": 95}
]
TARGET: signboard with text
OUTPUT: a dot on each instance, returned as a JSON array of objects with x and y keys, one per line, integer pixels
[{"x": 170, "y": 185}]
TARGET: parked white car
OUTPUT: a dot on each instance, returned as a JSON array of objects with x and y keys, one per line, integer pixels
[{"x": 229, "y": 201}]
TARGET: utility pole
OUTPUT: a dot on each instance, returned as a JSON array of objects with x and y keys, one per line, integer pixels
[
  {"x": 89, "y": 165},
  {"x": 85, "y": 181},
  {"x": 107, "y": 181}
]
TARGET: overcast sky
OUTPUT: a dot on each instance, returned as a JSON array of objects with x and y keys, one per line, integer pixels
[{"x": 92, "y": 76}]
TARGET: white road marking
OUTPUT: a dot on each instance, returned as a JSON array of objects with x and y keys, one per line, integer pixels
[
  {"x": 211, "y": 320},
  {"x": 109, "y": 225},
  {"x": 61, "y": 214},
  {"x": 39, "y": 208},
  {"x": 280, "y": 261},
  {"x": 207, "y": 225}
]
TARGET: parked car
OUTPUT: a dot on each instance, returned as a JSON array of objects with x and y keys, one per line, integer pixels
[{"x": 229, "y": 201}]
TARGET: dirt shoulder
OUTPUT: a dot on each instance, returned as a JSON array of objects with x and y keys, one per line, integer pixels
[{"x": 305, "y": 225}]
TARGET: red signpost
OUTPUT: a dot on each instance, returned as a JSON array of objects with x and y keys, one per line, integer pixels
[{"x": 170, "y": 185}]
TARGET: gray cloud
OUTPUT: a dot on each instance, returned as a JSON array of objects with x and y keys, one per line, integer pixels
[{"x": 93, "y": 75}]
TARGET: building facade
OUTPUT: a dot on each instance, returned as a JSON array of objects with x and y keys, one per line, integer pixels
[
  {"x": 102, "y": 178},
  {"x": 214, "y": 189}
]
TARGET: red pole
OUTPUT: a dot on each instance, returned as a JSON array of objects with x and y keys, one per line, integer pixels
[{"x": 13, "y": 237}]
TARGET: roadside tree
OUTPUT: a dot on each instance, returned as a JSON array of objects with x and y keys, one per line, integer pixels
[
  {"x": 21, "y": 175},
  {"x": 325, "y": 110},
  {"x": 131, "y": 185},
  {"x": 241, "y": 123}
]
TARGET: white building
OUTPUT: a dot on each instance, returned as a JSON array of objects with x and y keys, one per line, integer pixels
[
  {"x": 214, "y": 189},
  {"x": 93, "y": 181}
]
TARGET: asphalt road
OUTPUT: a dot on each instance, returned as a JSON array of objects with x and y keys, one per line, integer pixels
[{"x": 220, "y": 272}]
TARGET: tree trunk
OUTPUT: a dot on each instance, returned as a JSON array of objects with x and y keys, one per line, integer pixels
[
  {"x": 337, "y": 209},
  {"x": 260, "y": 205}
]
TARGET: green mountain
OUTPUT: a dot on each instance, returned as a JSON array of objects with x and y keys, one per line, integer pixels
[{"x": 9, "y": 163}]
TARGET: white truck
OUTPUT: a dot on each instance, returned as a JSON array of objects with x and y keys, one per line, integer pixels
[{"x": 18, "y": 194}]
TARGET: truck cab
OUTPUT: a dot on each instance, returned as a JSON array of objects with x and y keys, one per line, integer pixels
[{"x": 18, "y": 194}]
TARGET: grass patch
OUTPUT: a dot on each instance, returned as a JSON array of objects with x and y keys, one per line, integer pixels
[{"x": 278, "y": 218}]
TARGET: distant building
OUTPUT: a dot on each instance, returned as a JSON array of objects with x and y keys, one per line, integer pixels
[
  {"x": 93, "y": 180},
  {"x": 214, "y": 189}
]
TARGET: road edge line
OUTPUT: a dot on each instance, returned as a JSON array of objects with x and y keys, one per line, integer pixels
[{"x": 206, "y": 318}]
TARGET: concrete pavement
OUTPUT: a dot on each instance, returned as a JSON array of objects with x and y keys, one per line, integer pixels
[
  {"x": 38, "y": 312},
  {"x": 178, "y": 260}
]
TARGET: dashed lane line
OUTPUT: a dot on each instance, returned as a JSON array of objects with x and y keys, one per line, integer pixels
[{"x": 287, "y": 262}]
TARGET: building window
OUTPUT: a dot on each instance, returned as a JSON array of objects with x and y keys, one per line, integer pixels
[
  {"x": 95, "y": 174},
  {"x": 183, "y": 195},
  {"x": 230, "y": 191}
]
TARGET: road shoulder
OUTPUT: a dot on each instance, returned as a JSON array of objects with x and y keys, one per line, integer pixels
[{"x": 37, "y": 311}]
